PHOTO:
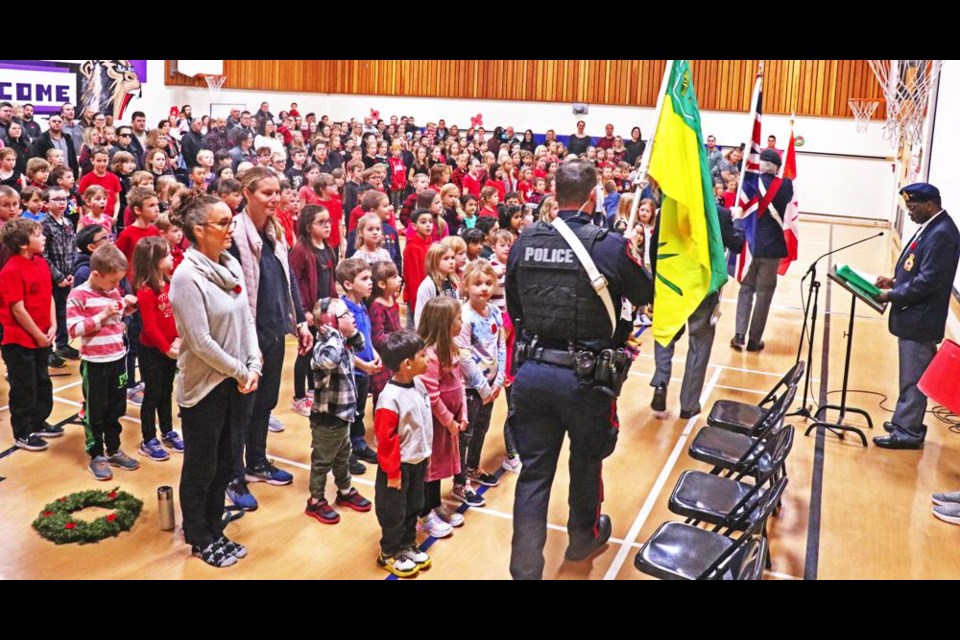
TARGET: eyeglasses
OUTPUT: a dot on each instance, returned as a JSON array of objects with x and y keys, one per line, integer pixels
[
  {"x": 223, "y": 225},
  {"x": 322, "y": 223},
  {"x": 58, "y": 200},
  {"x": 124, "y": 135},
  {"x": 345, "y": 314}
]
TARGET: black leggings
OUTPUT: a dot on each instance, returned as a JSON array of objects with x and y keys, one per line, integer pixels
[
  {"x": 431, "y": 497},
  {"x": 302, "y": 372}
]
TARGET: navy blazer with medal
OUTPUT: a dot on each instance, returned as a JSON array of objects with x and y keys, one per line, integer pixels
[{"x": 923, "y": 282}]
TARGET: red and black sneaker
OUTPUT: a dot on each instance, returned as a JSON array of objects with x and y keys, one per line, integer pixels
[
  {"x": 353, "y": 500},
  {"x": 322, "y": 511}
]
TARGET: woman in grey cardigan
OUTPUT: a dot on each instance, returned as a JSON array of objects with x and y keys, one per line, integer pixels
[{"x": 219, "y": 366}]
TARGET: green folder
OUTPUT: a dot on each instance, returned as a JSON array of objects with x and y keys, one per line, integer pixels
[{"x": 858, "y": 281}]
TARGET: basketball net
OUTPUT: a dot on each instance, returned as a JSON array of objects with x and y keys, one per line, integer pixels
[
  {"x": 863, "y": 110},
  {"x": 214, "y": 84},
  {"x": 906, "y": 86}
]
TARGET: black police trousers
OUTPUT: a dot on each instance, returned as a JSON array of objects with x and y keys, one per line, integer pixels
[{"x": 548, "y": 404}]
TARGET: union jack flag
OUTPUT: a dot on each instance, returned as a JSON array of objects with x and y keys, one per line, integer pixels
[{"x": 748, "y": 195}]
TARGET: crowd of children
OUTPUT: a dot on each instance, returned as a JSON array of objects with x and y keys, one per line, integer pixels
[{"x": 90, "y": 256}]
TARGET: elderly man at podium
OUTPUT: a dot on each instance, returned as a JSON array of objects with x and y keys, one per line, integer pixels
[{"x": 919, "y": 296}]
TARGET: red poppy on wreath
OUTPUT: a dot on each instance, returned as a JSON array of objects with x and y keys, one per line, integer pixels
[
  {"x": 63, "y": 499},
  {"x": 112, "y": 495},
  {"x": 374, "y": 114},
  {"x": 111, "y": 517},
  {"x": 70, "y": 525},
  {"x": 237, "y": 289},
  {"x": 47, "y": 514}
]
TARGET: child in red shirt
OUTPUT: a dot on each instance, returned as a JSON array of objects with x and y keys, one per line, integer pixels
[
  {"x": 173, "y": 234},
  {"x": 489, "y": 199},
  {"x": 101, "y": 177},
  {"x": 29, "y": 320},
  {"x": 415, "y": 258},
  {"x": 398, "y": 175},
  {"x": 146, "y": 208},
  {"x": 159, "y": 346}
]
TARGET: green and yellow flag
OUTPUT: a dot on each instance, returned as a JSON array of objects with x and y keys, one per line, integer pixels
[{"x": 690, "y": 260}]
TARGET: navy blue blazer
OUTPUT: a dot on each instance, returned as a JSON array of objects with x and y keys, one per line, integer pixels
[
  {"x": 769, "y": 242},
  {"x": 923, "y": 282}
]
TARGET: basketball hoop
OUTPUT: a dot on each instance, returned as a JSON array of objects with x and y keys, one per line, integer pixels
[
  {"x": 906, "y": 86},
  {"x": 214, "y": 84},
  {"x": 863, "y": 110}
]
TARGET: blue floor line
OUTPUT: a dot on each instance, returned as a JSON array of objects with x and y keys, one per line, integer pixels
[{"x": 462, "y": 509}]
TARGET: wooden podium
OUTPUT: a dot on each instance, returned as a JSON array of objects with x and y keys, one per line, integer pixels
[{"x": 839, "y": 427}]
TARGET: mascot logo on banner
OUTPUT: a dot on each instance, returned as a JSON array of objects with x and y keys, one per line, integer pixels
[{"x": 107, "y": 86}]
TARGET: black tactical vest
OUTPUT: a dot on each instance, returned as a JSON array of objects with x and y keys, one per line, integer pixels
[{"x": 559, "y": 304}]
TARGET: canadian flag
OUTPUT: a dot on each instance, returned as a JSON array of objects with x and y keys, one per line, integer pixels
[{"x": 791, "y": 217}]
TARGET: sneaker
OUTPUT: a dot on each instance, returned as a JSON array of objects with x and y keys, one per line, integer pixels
[
  {"x": 100, "y": 469},
  {"x": 948, "y": 497},
  {"x": 68, "y": 353},
  {"x": 301, "y": 406},
  {"x": 399, "y": 565},
  {"x": 275, "y": 425},
  {"x": 948, "y": 512},
  {"x": 449, "y": 516},
  {"x": 49, "y": 431},
  {"x": 366, "y": 454},
  {"x": 738, "y": 342},
  {"x": 420, "y": 558},
  {"x": 353, "y": 500},
  {"x": 512, "y": 463},
  {"x": 322, "y": 511},
  {"x": 464, "y": 493},
  {"x": 480, "y": 476},
  {"x": 240, "y": 496},
  {"x": 82, "y": 415},
  {"x": 56, "y": 362},
  {"x": 215, "y": 555},
  {"x": 173, "y": 440},
  {"x": 235, "y": 549},
  {"x": 123, "y": 461},
  {"x": 32, "y": 442},
  {"x": 268, "y": 473},
  {"x": 357, "y": 468},
  {"x": 135, "y": 395},
  {"x": 433, "y": 526},
  {"x": 152, "y": 449}
]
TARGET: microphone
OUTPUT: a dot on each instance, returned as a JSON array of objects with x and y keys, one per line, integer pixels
[{"x": 813, "y": 265}]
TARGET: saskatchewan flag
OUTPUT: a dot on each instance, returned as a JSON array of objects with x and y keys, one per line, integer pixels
[{"x": 690, "y": 260}]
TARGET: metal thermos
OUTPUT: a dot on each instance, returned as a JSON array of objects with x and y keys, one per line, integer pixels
[{"x": 165, "y": 508}]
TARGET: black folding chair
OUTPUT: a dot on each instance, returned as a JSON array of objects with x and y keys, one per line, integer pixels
[
  {"x": 679, "y": 551},
  {"x": 727, "y": 503},
  {"x": 732, "y": 452},
  {"x": 740, "y": 416}
]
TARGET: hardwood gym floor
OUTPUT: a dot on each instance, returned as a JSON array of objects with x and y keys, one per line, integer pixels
[{"x": 871, "y": 518}]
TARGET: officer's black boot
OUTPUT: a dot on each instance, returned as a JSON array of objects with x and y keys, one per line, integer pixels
[
  {"x": 604, "y": 527},
  {"x": 659, "y": 402}
]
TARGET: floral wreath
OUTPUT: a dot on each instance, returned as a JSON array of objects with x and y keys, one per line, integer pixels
[{"x": 56, "y": 523}]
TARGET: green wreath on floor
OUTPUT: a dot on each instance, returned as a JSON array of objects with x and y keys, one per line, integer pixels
[{"x": 56, "y": 522}]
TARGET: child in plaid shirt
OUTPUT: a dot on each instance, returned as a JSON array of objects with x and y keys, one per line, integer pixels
[{"x": 334, "y": 409}]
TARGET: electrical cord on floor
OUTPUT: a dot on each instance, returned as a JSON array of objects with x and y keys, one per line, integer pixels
[{"x": 939, "y": 412}]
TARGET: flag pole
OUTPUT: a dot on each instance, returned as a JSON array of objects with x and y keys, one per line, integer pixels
[
  {"x": 753, "y": 119},
  {"x": 645, "y": 161}
]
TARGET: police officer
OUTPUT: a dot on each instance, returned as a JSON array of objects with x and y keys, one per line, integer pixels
[
  {"x": 702, "y": 328},
  {"x": 768, "y": 249},
  {"x": 919, "y": 296},
  {"x": 570, "y": 367}
]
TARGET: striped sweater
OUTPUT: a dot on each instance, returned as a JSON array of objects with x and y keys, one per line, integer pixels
[{"x": 98, "y": 342}]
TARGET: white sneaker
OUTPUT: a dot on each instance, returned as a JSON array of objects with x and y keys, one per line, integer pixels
[
  {"x": 433, "y": 526},
  {"x": 275, "y": 425},
  {"x": 512, "y": 464},
  {"x": 449, "y": 516}
]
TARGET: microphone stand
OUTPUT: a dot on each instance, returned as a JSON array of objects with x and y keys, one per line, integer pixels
[{"x": 813, "y": 293}]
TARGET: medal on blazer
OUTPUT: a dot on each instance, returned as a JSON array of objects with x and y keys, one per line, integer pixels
[{"x": 908, "y": 263}]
